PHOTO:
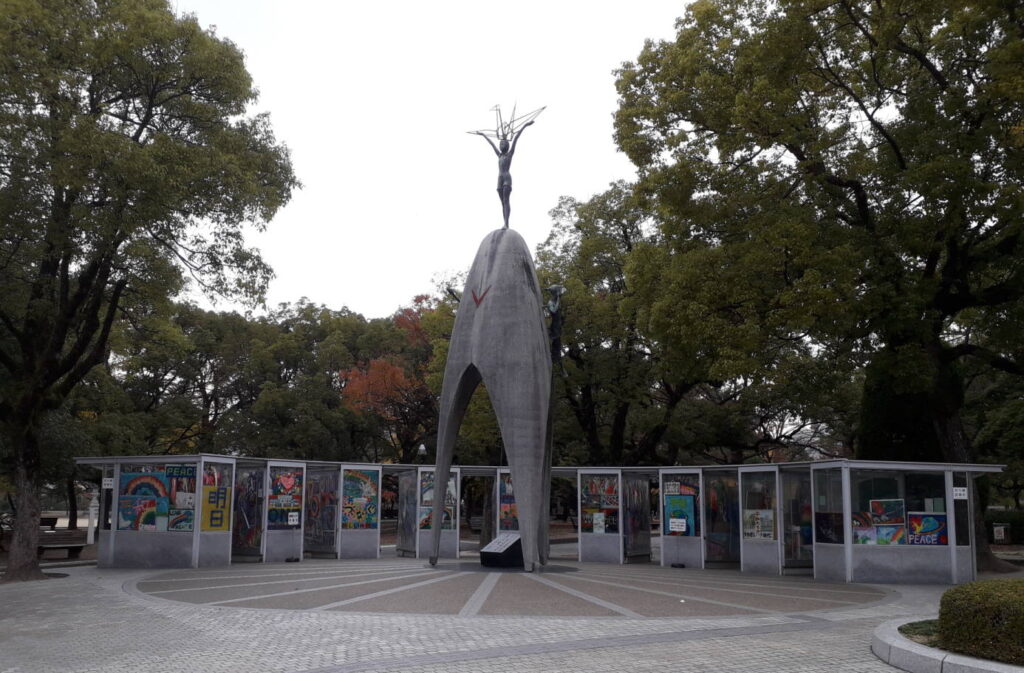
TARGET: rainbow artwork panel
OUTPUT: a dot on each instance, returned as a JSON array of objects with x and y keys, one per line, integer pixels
[
  {"x": 144, "y": 484},
  {"x": 864, "y": 529},
  {"x": 891, "y": 534},
  {"x": 426, "y": 489},
  {"x": 427, "y": 502},
  {"x": 142, "y": 502},
  {"x": 427, "y": 516},
  {"x": 134, "y": 513},
  {"x": 182, "y": 520},
  {"x": 360, "y": 501},
  {"x": 676, "y": 487}
]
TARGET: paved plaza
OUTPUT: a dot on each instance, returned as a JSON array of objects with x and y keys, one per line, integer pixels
[{"x": 401, "y": 615}]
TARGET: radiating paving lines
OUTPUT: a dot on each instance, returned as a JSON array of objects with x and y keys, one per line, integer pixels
[
  {"x": 388, "y": 592},
  {"x": 704, "y": 591},
  {"x": 480, "y": 596},
  {"x": 732, "y": 577},
  {"x": 86, "y": 623},
  {"x": 625, "y": 612},
  {"x": 675, "y": 609},
  {"x": 291, "y": 579},
  {"x": 789, "y": 585},
  {"x": 316, "y": 592},
  {"x": 517, "y": 595},
  {"x": 562, "y": 590},
  {"x": 271, "y": 570}
]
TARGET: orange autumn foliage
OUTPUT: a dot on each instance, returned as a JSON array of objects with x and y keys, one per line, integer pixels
[{"x": 380, "y": 388}]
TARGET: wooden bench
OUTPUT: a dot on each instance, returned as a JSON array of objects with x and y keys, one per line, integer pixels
[{"x": 72, "y": 540}]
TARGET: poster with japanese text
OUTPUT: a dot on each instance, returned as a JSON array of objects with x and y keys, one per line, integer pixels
[
  {"x": 284, "y": 504},
  {"x": 679, "y": 515}
]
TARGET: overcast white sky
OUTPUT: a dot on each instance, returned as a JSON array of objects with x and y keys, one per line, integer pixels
[{"x": 375, "y": 98}]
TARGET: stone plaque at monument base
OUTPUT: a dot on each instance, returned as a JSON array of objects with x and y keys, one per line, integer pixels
[{"x": 504, "y": 551}]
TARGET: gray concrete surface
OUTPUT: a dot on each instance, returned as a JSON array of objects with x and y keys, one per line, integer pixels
[
  {"x": 499, "y": 339},
  {"x": 329, "y": 617},
  {"x": 561, "y": 589},
  {"x": 890, "y": 646}
]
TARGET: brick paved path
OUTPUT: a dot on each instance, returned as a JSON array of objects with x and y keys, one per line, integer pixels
[{"x": 331, "y": 617}]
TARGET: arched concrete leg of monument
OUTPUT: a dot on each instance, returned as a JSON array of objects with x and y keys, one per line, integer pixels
[
  {"x": 499, "y": 332},
  {"x": 455, "y": 399},
  {"x": 521, "y": 408},
  {"x": 544, "y": 525}
]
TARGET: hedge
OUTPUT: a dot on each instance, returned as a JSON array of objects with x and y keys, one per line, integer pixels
[
  {"x": 1012, "y": 517},
  {"x": 984, "y": 619}
]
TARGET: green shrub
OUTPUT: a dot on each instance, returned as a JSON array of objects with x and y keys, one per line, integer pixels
[
  {"x": 1012, "y": 517},
  {"x": 984, "y": 619}
]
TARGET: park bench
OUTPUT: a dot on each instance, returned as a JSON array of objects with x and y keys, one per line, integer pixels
[{"x": 72, "y": 540}]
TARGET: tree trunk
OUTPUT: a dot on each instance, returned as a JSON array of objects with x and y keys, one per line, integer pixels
[
  {"x": 952, "y": 438},
  {"x": 947, "y": 401},
  {"x": 617, "y": 440},
  {"x": 22, "y": 563}
]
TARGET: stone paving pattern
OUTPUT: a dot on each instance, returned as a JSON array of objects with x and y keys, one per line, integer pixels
[{"x": 104, "y": 620}]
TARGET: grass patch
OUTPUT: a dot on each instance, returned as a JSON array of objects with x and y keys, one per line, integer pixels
[{"x": 925, "y": 633}]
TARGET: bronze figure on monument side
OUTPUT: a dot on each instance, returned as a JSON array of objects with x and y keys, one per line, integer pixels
[{"x": 503, "y": 130}]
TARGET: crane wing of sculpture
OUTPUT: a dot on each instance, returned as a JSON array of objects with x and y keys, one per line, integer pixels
[{"x": 507, "y": 128}]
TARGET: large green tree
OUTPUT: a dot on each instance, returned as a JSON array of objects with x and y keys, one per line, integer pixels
[
  {"x": 127, "y": 162},
  {"x": 842, "y": 174},
  {"x": 626, "y": 394},
  {"x": 615, "y": 390},
  {"x": 293, "y": 382}
]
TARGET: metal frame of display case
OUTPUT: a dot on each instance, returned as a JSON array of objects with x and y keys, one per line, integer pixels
[
  {"x": 599, "y": 547},
  {"x": 950, "y": 507}
]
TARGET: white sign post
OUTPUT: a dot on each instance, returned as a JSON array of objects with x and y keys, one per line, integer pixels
[{"x": 94, "y": 513}]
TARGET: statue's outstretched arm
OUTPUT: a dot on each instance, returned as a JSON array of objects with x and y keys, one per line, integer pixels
[
  {"x": 478, "y": 133},
  {"x": 516, "y": 138}
]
